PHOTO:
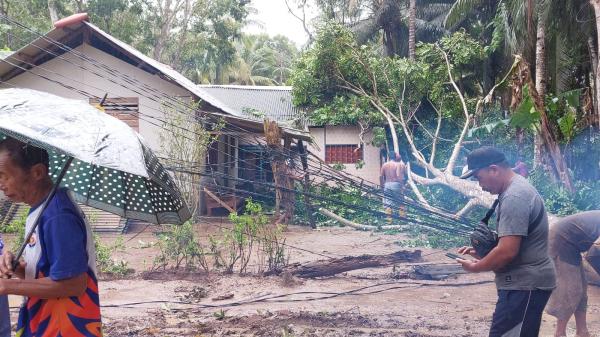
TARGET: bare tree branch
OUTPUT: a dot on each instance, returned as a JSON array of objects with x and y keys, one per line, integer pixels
[
  {"x": 458, "y": 145},
  {"x": 413, "y": 187},
  {"x": 302, "y": 19},
  {"x": 467, "y": 208},
  {"x": 437, "y": 134}
]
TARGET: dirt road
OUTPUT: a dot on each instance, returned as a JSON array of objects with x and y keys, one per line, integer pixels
[{"x": 368, "y": 302}]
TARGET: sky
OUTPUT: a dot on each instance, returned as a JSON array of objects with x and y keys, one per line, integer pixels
[{"x": 276, "y": 19}]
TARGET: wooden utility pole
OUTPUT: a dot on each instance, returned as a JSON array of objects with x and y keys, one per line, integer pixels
[
  {"x": 306, "y": 185},
  {"x": 284, "y": 193}
]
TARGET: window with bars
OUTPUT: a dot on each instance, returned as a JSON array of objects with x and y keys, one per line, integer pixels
[
  {"x": 343, "y": 154},
  {"x": 125, "y": 109}
]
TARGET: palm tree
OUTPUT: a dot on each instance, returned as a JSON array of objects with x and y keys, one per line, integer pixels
[
  {"x": 401, "y": 23},
  {"x": 412, "y": 16},
  {"x": 252, "y": 62},
  {"x": 554, "y": 21}
]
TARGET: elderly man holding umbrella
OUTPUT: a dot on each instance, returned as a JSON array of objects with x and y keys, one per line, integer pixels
[
  {"x": 58, "y": 272},
  {"x": 107, "y": 167}
]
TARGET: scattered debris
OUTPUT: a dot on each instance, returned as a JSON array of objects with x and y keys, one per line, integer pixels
[
  {"x": 337, "y": 266},
  {"x": 436, "y": 271},
  {"x": 223, "y": 297}
]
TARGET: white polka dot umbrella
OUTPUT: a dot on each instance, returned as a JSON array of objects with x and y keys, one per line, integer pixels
[{"x": 111, "y": 169}]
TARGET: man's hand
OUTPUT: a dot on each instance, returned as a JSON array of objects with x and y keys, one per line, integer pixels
[
  {"x": 506, "y": 250},
  {"x": 6, "y": 265},
  {"x": 466, "y": 250},
  {"x": 468, "y": 265}
]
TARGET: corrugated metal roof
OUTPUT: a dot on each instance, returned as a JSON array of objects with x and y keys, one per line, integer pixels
[
  {"x": 255, "y": 102},
  {"x": 239, "y": 101},
  {"x": 169, "y": 73}
]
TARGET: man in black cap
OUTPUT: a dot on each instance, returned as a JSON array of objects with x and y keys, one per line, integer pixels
[{"x": 525, "y": 275}]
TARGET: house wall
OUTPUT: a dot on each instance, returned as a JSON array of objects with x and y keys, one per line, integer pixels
[
  {"x": 64, "y": 71},
  {"x": 346, "y": 135}
]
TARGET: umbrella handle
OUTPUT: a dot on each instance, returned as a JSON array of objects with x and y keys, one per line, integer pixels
[{"x": 62, "y": 174}]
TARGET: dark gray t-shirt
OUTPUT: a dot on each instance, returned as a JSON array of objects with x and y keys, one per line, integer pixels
[
  {"x": 532, "y": 268},
  {"x": 573, "y": 235}
]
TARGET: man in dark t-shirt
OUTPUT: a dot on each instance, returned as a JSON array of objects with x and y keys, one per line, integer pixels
[
  {"x": 524, "y": 272},
  {"x": 569, "y": 238}
]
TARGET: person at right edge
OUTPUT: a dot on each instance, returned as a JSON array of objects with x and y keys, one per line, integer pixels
[
  {"x": 525, "y": 275},
  {"x": 569, "y": 238}
]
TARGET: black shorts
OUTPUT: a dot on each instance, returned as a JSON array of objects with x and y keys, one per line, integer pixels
[{"x": 519, "y": 313}]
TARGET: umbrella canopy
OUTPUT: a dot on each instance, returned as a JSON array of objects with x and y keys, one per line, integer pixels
[{"x": 112, "y": 168}]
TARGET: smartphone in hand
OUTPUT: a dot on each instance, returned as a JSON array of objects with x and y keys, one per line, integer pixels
[{"x": 453, "y": 256}]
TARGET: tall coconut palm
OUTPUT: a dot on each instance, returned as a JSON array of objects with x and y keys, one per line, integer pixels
[
  {"x": 519, "y": 17},
  {"x": 412, "y": 16},
  {"x": 392, "y": 22}
]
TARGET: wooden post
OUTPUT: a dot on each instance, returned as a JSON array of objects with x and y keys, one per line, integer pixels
[
  {"x": 306, "y": 185},
  {"x": 288, "y": 197},
  {"x": 284, "y": 196}
]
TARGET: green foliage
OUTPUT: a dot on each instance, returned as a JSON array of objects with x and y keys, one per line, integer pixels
[
  {"x": 179, "y": 248},
  {"x": 525, "y": 116},
  {"x": 345, "y": 82},
  {"x": 220, "y": 314},
  {"x": 104, "y": 258},
  {"x": 557, "y": 200},
  {"x": 488, "y": 128},
  {"x": 567, "y": 125},
  {"x": 16, "y": 225},
  {"x": 563, "y": 113},
  {"x": 250, "y": 235},
  {"x": 379, "y": 136}
]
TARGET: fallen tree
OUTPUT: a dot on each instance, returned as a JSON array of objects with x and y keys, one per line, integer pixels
[
  {"x": 356, "y": 85},
  {"x": 336, "y": 266},
  {"x": 355, "y": 225}
]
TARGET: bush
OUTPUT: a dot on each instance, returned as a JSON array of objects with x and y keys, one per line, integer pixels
[
  {"x": 179, "y": 248},
  {"x": 557, "y": 200},
  {"x": 104, "y": 258},
  {"x": 16, "y": 226},
  {"x": 251, "y": 234}
]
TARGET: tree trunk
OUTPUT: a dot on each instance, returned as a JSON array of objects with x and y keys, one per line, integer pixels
[
  {"x": 335, "y": 266},
  {"x": 187, "y": 13},
  {"x": 284, "y": 196},
  {"x": 306, "y": 185},
  {"x": 412, "y": 16},
  {"x": 53, "y": 11},
  {"x": 540, "y": 86},
  {"x": 596, "y": 6},
  {"x": 355, "y": 225},
  {"x": 166, "y": 16},
  {"x": 595, "y": 80},
  {"x": 394, "y": 135},
  {"x": 560, "y": 168},
  {"x": 80, "y": 6}
]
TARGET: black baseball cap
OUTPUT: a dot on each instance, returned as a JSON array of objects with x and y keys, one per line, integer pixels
[{"x": 482, "y": 158}]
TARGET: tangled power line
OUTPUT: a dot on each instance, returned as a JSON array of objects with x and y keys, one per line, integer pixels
[{"x": 323, "y": 177}]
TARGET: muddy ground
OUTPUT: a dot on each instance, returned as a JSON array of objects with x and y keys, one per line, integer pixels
[{"x": 368, "y": 302}]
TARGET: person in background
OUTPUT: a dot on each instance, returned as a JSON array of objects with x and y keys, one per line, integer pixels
[
  {"x": 392, "y": 180},
  {"x": 569, "y": 237},
  {"x": 525, "y": 275},
  {"x": 521, "y": 169}
]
